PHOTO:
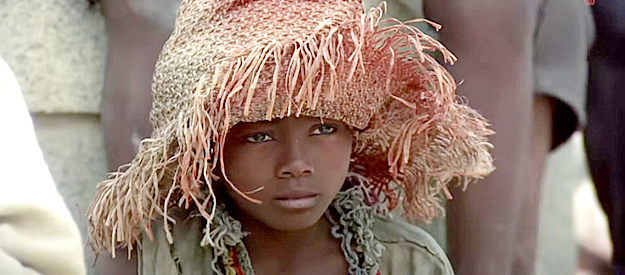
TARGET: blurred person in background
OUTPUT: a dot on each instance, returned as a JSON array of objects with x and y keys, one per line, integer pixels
[
  {"x": 136, "y": 30},
  {"x": 37, "y": 233},
  {"x": 524, "y": 66},
  {"x": 56, "y": 49},
  {"x": 606, "y": 120}
]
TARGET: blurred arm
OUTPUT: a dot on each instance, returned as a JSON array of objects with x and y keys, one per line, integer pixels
[
  {"x": 136, "y": 33},
  {"x": 493, "y": 42},
  {"x": 105, "y": 264}
]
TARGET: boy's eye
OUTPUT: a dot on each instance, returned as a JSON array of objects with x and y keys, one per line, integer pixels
[
  {"x": 258, "y": 138},
  {"x": 324, "y": 129}
]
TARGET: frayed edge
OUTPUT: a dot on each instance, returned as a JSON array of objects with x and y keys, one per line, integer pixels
[
  {"x": 428, "y": 155},
  {"x": 115, "y": 215}
]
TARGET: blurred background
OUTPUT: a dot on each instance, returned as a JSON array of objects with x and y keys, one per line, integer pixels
[{"x": 85, "y": 69}]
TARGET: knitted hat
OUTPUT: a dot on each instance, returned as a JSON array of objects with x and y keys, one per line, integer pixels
[{"x": 231, "y": 61}]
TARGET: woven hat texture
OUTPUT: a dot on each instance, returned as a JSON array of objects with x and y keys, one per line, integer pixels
[{"x": 231, "y": 61}]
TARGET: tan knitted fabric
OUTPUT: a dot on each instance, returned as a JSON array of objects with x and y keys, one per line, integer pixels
[{"x": 231, "y": 61}]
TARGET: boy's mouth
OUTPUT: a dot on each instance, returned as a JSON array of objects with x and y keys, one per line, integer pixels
[{"x": 296, "y": 200}]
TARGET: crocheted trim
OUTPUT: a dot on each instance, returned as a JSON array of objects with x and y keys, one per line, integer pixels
[
  {"x": 221, "y": 235},
  {"x": 355, "y": 229}
]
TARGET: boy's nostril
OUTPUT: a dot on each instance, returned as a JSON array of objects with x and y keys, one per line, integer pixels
[{"x": 297, "y": 169}]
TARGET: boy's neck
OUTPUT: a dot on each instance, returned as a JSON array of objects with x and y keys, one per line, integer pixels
[
  {"x": 285, "y": 251},
  {"x": 266, "y": 237}
]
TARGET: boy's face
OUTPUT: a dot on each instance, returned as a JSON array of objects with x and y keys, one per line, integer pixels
[{"x": 301, "y": 163}]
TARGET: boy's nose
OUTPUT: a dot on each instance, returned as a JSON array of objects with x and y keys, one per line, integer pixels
[
  {"x": 294, "y": 169},
  {"x": 294, "y": 162}
]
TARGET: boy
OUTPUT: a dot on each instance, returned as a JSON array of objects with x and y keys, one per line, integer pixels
[{"x": 284, "y": 133}]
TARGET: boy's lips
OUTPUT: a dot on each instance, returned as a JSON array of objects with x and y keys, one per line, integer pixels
[{"x": 296, "y": 200}]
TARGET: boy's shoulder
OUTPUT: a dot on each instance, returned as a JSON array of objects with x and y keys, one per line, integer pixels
[{"x": 409, "y": 249}]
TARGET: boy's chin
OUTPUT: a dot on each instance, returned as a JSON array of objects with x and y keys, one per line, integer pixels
[{"x": 294, "y": 224}]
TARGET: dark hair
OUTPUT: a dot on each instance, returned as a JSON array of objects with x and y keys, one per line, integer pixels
[{"x": 93, "y": 2}]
